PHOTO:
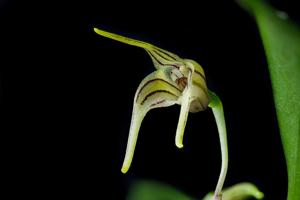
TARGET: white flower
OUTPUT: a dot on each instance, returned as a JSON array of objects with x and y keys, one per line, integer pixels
[{"x": 175, "y": 81}]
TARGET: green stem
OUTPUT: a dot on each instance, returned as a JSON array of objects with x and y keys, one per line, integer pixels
[{"x": 217, "y": 108}]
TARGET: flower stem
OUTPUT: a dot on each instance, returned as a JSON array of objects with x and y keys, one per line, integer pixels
[{"x": 217, "y": 108}]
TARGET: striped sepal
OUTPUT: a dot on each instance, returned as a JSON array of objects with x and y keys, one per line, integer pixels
[
  {"x": 156, "y": 90},
  {"x": 160, "y": 57}
]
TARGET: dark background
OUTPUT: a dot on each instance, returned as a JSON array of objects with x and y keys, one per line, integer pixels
[{"x": 67, "y": 93}]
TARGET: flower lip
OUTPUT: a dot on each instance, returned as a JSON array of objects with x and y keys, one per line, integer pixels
[
  {"x": 199, "y": 100},
  {"x": 196, "y": 106}
]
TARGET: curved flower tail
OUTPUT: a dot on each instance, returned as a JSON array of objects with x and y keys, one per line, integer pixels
[
  {"x": 156, "y": 90},
  {"x": 160, "y": 57},
  {"x": 136, "y": 121},
  {"x": 123, "y": 39},
  {"x": 217, "y": 108}
]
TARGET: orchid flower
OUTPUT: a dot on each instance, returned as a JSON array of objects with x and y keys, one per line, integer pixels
[{"x": 175, "y": 81}]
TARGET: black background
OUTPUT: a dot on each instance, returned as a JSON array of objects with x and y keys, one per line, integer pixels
[{"x": 66, "y": 98}]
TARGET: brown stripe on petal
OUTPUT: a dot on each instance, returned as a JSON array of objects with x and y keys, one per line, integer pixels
[
  {"x": 159, "y": 62},
  {"x": 166, "y": 53},
  {"x": 155, "y": 58},
  {"x": 202, "y": 75},
  {"x": 156, "y": 103},
  {"x": 157, "y": 79},
  {"x": 162, "y": 56},
  {"x": 155, "y": 92}
]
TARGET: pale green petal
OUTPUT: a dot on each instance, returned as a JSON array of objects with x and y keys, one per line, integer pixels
[{"x": 185, "y": 107}]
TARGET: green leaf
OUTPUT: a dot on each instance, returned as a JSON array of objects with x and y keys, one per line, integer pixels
[
  {"x": 281, "y": 40},
  {"x": 152, "y": 190}
]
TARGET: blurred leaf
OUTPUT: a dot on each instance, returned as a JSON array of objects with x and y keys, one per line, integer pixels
[
  {"x": 241, "y": 191},
  {"x": 281, "y": 39},
  {"x": 152, "y": 190}
]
